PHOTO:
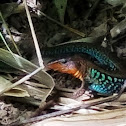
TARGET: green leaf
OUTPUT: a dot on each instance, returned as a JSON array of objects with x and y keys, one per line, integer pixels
[
  {"x": 26, "y": 66},
  {"x": 61, "y": 8}
]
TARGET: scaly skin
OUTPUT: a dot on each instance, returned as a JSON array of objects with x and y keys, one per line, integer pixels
[
  {"x": 99, "y": 80},
  {"x": 106, "y": 76},
  {"x": 104, "y": 58},
  {"x": 103, "y": 83}
]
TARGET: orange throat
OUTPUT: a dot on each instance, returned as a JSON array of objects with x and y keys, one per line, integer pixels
[{"x": 75, "y": 68}]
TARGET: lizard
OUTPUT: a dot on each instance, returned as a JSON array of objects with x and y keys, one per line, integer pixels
[
  {"x": 106, "y": 78},
  {"x": 97, "y": 79},
  {"x": 103, "y": 57}
]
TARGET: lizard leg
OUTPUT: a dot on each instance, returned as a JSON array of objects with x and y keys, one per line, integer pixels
[{"x": 79, "y": 91}]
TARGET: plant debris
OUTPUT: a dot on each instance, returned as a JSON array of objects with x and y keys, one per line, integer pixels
[{"x": 50, "y": 92}]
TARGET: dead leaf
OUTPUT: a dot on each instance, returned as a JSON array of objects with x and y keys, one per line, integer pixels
[{"x": 17, "y": 91}]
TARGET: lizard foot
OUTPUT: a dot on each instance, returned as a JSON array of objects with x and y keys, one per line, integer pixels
[{"x": 79, "y": 92}]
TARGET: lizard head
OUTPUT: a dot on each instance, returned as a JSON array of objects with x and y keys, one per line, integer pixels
[{"x": 73, "y": 66}]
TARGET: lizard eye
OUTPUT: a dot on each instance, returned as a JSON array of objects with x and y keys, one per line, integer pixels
[{"x": 63, "y": 60}]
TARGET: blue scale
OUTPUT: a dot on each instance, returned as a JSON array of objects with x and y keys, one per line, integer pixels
[{"x": 106, "y": 84}]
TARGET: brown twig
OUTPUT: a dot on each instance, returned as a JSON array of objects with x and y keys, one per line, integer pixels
[
  {"x": 42, "y": 107},
  {"x": 45, "y": 105}
]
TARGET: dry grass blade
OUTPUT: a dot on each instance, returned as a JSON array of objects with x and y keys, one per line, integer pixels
[
  {"x": 64, "y": 26},
  {"x": 17, "y": 91},
  {"x": 20, "y": 81},
  {"x": 34, "y": 36}
]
